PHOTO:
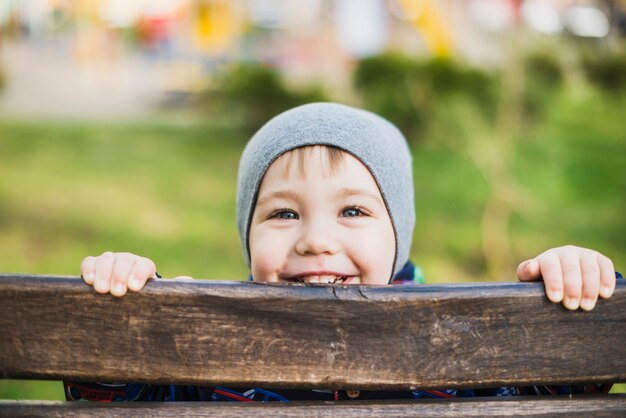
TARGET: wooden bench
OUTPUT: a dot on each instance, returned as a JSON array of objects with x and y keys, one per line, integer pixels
[{"x": 344, "y": 337}]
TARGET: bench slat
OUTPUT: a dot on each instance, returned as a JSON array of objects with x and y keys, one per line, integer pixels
[
  {"x": 557, "y": 406},
  {"x": 394, "y": 337}
]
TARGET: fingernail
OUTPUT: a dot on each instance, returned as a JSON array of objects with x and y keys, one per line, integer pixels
[
  {"x": 587, "y": 304},
  {"x": 88, "y": 277},
  {"x": 557, "y": 296},
  {"x": 571, "y": 304},
  {"x": 605, "y": 291},
  {"x": 133, "y": 283},
  {"x": 118, "y": 289},
  {"x": 101, "y": 287}
]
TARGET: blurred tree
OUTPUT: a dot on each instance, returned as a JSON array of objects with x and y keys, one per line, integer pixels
[
  {"x": 490, "y": 141},
  {"x": 606, "y": 70},
  {"x": 383, "y": 82},
  {"x": 543, "y": 78},
  {"x": 2, "y": 78},
  {"x": 407, "y": 91}
]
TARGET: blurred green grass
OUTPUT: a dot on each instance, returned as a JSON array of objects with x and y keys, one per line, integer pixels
[
  {"x": 167, "y": 191},
  {"x": 70, "y": 190}
]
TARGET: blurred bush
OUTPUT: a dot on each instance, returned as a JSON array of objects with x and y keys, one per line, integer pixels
[
  {"x": 606, "y": 70},
  {"x": 253, "y": 94},
  {"x": 383, "y": 83},
  {"x": 543, "y": 77},
  {"x": 407, "y": 90}
]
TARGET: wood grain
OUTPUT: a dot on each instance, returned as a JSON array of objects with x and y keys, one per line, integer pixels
[
  {"x": 238, "y": 334},
  {"x": 554, "y": 406}
]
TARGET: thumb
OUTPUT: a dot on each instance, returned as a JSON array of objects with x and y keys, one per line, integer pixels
[{"x": 528, "y": 270}]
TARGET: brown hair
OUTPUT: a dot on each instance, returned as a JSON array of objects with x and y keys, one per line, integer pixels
[{"x": 330, "y": 158}]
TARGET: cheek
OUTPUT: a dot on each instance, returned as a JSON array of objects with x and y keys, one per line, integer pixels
[
  {"x": 266, "y": 257},
  {"x": 261, "y": 272},
  {"x": 375, "y": 254}
]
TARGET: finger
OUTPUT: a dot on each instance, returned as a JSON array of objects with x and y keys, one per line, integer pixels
[
  {"x": 590, "y": 271},
  {"x": 572, "y": 279},
  {"x": 122, "y": 267},
  {"x": 104, "y": 269},
  {"x": 88, "y": 269},
  {"x": 607, "y": 276},
  {"x": 143, "y": 269},
  {"x": 550, "y": 268},
  {"x": 528, "y": 270}
]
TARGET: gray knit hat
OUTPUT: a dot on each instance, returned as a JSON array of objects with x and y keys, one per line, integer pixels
[{"x": 374, "y": 141}]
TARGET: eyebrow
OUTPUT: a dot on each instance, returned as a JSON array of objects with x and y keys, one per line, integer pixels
[
  {"x": 280, "y": 194},
  {"x": 295, "y": 196},
  {"x": 348, "y": 192}
]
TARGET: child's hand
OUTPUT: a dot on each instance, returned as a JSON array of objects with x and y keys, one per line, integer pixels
[
  {"x": 117, "y": 272},
  {"x": 571, "y": 274}
]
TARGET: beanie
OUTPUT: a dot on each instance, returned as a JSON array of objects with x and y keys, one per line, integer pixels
[{"x": 374, "y": 141}]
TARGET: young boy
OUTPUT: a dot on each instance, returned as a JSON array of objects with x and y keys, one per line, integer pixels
[{"x": 325, "y": 195}]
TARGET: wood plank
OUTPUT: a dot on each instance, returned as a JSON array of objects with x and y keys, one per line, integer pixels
[
  {"x": 231, "y": 333},
  {"x": 553, "y": 406}
]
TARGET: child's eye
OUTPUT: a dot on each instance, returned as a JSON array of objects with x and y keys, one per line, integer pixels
[
  {"x": 286, "y": 214},
  {"x": 352, "y": 212}
]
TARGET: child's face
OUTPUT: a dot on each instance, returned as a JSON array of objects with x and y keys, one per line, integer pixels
[{"x": 319, "y": 224}]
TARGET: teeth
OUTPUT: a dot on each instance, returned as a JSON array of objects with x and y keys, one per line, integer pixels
[
  {"x": 321, "y": 279},
  {"x": 324, "y": 279},
  {"x": 330, "y": 279}
]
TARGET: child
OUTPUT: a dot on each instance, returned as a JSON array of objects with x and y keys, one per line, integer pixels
[{"x": 325, "y": 195}]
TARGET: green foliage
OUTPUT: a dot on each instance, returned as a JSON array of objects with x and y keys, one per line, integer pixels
[
  {"x": 407, "y": 91},
  {"x": 606, "y": 70},
  {"x": 412, "y": 92},
  {"x": 544, "y": 70},
  {"x": 542, "y": 80},
  {"x": 383, "y": 82},
  {"x": 255, "y": 93}
]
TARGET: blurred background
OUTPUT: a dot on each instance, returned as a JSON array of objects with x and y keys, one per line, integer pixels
[{"x": 122, "y": 121}]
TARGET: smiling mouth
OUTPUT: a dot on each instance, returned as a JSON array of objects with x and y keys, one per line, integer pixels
[{"x": 321, "y": 279}]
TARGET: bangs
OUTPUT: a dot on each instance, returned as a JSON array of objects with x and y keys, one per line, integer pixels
[{"x": 329, "y": 158}]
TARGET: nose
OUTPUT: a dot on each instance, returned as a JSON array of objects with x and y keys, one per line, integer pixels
[{"x": 317, "y": 238}]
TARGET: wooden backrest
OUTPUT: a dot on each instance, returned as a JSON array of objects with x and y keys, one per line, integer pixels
[
  {"x": 232, "y": 333},
  {"x": 391, "y": 337}
]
